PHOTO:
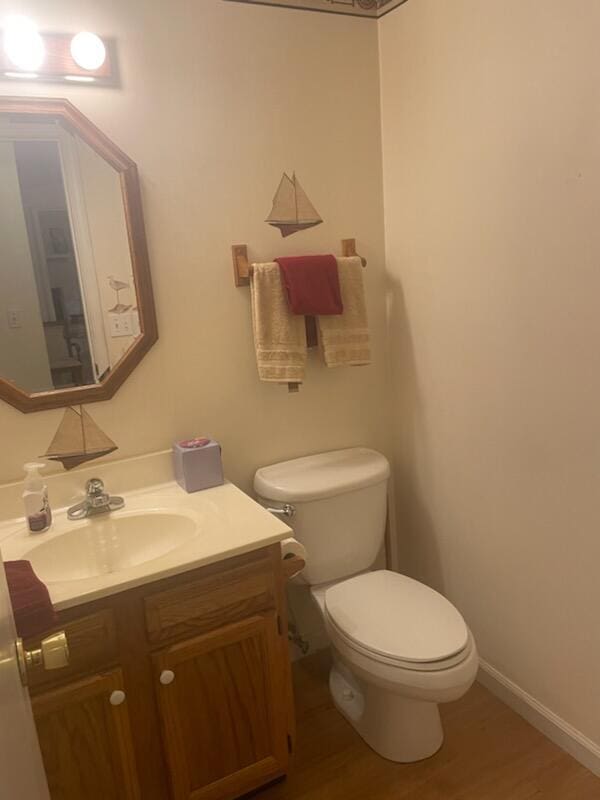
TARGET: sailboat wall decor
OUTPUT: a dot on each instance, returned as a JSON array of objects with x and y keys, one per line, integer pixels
[
  {"x": 292, "y": 210},
  {"x": 78, "y": 440}
]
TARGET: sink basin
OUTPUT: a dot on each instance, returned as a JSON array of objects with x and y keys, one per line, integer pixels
[{"x": 110, "y": 543}]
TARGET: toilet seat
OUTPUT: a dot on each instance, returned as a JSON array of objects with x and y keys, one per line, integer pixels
[
  {"x": 395, "y": 620},
  {"x": 338, "y": 637}
]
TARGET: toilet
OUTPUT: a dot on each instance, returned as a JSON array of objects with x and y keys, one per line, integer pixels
[{"x": 399, "y": 648}]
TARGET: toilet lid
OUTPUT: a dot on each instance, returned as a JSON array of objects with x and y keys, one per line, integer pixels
[{"x": 397, "y": 617}]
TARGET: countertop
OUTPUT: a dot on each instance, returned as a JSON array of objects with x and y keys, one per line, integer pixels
[{"x": 227, "y": 523}]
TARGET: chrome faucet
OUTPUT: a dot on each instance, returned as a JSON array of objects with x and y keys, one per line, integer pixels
[{"x": 97, "y": 501}]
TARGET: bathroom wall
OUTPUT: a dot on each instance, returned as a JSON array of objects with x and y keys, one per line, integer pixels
[
  {"x": 217, "y": 100},
  {"x": 491, "y": 130}
]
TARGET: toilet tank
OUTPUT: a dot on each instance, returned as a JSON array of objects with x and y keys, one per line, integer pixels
[{"x": 341, "y": 506}]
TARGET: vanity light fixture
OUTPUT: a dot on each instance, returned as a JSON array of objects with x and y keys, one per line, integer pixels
[
  {"x": 80, "y": 78},
  {"x": 29, "y": 76},
  {"x": 82, "y": 57}
]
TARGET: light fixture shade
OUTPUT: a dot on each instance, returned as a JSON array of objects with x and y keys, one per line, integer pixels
[
  {"x": 88, "y": 50},
  {"x": 23, "y": 45}
]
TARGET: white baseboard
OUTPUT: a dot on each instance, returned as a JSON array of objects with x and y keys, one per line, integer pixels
[{"x": 547, "y": 722}]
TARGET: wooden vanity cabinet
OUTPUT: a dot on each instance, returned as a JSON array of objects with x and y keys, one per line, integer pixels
[
  {"x": 86, "y": 741},
  {"x": 179, "y": 688},
  {"x": 222, "y": 708}
]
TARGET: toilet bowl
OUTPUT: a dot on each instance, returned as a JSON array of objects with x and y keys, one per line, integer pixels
[
  {"x": 399, "y": 647},
  {"x": 387, "y": 679}
]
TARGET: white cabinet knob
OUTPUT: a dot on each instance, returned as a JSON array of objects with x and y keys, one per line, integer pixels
[
  {"x": 167, "y": 676},
  {"x": 117, "y": 697}
]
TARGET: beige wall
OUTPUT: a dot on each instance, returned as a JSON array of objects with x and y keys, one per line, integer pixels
[
  {"x": 491, "y": 127},
  {"x": 217, "y": 100},
  {"x": 23, "y": 353}
]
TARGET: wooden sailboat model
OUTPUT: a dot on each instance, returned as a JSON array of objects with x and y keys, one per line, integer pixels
[
  {"x": 292, "y": 210},
  {"x": 78, "y": 439}
]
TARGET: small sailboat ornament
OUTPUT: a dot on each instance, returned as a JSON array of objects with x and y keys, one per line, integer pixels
[
  {"x": 78, "y": 440},
  {"x": 292, "y": 210}
]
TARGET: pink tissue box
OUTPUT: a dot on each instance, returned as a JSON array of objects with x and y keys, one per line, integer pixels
[{"x": 197, "y": 464}]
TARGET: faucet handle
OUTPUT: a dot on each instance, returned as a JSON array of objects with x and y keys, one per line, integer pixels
[{"x": 94, "y": 487}]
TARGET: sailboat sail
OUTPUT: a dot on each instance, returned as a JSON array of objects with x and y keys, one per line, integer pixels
[
  {"x": 306, "y": 211},
  {"x": 284, "y": 202},
  {"x": 78, "y": 440},
  {"x": 292, "y": 210}
]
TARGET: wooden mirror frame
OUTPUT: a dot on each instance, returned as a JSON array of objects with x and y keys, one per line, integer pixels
[{"x": 132, "y": 203}]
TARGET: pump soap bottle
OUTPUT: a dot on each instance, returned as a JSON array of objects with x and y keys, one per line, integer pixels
[{"x": 35, "y": 498}]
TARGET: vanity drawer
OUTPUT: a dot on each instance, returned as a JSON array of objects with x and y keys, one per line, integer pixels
[
  {"x": 243, "y": 588},
  {"x": 92, "y": 644}
]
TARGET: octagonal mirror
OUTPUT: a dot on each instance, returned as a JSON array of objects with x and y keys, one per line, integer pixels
[{"x": 76, "y": 304}]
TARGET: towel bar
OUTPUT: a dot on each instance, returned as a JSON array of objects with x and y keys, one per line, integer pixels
[{"x": 242, "y": 268}]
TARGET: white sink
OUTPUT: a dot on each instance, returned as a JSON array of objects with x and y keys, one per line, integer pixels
[{"x": 110, "y": 543}]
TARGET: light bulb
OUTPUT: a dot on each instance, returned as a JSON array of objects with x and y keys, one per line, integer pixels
[
  {"x": 88, "y": 50},
  {"x": 23, "y": 44}
]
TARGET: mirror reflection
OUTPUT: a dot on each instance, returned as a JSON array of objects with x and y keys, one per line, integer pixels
[{"x": 68, "y": 309}]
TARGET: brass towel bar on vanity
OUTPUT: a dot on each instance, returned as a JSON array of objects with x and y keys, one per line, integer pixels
[{"x": 242, "y": 268}]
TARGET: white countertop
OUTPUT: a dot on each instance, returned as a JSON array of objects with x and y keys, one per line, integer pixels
[{"x": 226, "y": 523}]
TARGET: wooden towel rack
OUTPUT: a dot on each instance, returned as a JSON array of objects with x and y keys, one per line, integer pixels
[{"x": 242, "y": 268}]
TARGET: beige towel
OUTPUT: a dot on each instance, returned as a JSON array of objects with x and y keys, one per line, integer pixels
[
  {"x": 279, "y": 335},
  {"x": 345, "y": 338}
]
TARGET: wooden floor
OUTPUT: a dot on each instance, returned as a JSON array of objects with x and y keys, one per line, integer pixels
[{"x": 490, "y": 753}]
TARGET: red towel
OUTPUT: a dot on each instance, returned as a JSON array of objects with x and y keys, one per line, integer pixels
[
  {"x": 312, "y": 285},
  {"x": 30, "y": 599}
]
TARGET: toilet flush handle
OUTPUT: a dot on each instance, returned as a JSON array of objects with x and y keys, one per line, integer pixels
[{"x": 287, "y": 510}]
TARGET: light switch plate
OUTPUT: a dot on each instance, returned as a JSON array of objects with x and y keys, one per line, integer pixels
[
  {"x": 121, "y": 325},
  {"x": 14, "y": 318}
]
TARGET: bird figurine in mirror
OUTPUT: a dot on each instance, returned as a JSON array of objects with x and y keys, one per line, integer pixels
[{"x": 118, "y": 286}]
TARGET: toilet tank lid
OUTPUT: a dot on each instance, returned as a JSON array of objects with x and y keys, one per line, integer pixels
[{"x": 322, "y": 475}]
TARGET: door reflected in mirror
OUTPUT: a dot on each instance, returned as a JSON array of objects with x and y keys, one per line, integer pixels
[{"x": 68, "y": 299}]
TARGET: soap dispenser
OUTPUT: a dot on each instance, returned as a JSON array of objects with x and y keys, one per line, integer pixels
[{"x": 35, "y": 498}]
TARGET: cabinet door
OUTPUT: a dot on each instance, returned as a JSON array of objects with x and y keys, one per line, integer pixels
[
  {"x": 85, "y": 739},
  {"x": 222, "y": 702}
]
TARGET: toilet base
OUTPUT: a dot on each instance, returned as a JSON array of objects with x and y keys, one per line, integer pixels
[{"x": 398, "y": 728}]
